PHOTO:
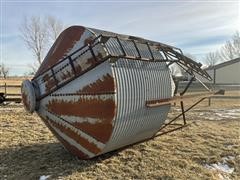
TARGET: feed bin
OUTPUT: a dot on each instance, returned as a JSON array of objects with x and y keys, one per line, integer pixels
[{"x": 95, "y": 88}]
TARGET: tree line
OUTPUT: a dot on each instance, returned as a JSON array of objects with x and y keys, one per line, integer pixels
[
  {"x": 4, "y": 70},
  {"x": 230, "y": 50},
  {"x": 39, "y": 33}
]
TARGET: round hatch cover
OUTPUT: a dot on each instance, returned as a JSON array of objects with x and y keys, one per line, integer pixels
[{"x": 28, "y": 96}]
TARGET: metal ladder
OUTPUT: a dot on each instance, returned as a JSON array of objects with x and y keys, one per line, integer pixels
[{"x": 172, "y": 55}]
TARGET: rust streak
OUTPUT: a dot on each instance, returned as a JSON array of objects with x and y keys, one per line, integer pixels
[
  {"x": 89, "y": 40},
  {"x": 104, "y": 84},
  {"x": 50, "y": 84},
  {"x": 78, "y": 69},
  {"x": 66, "y": 75},
  {"x": 72, "y": 149},
  {"x": 92, "y": 61},
  {"x": 93, "y": 108},
  {"x": 61, "y": 47},
  {"x": 25, "y": 101},
  {"x": 100, "y": 131},
  {"x": 158, "y": 101},
  {"x": 46, "y": 77},
  {"x": 88, "y": 64},
  {"x": 79, "y": 139}
]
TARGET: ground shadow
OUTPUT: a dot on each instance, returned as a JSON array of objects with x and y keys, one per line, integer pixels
[{"x": 31, "y": 162}]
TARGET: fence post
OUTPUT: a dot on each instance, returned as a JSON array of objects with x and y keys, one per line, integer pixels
[
  {"x": 209, "y": 101},
  {"x": 5, "y": 89}
]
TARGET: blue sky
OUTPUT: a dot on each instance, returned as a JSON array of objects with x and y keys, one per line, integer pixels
[{"x": 197, "y": 27}]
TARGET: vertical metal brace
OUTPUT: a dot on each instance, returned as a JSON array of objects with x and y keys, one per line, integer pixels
[
  {"x": 54, "y": 77},
  {"x": 150, "y": 51},
  {"x": 135, "y": 45},
  {"x": 104, "y": 44},
  {"x": 183, "y": 113},
  {"x": 120, "y": 44},
  {"x": 92, "y": 52},
  {"x": 188, "y": 85},
  {"x": 171, "y": 62},
  {"x": 5, "y": 88},
  {"x": 161, "y": 49},
  {"x": 72, "y": 65},
  {"x": 209, "y": 101},
  {"x": 174, "y": 119}
]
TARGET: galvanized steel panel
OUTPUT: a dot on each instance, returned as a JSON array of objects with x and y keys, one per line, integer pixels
[
  {"x": 95, "y": 104},
  {"x": 137, "y": 82}
]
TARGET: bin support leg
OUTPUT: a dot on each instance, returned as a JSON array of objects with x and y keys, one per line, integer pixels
[
  {"x": 183, "y": 113},
  {"x": 209, "y": 101}
]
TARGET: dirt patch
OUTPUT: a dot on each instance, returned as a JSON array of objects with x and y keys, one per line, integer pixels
[{"x": 29, "y": 151}]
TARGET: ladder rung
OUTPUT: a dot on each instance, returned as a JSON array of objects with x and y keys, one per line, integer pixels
[
  {"x": 150, "y": 50},
  {"x": 135, "y": 45},
  {"x": 120, "y": 44},
  {"x": 72, "y": 65},
  {"x": 54, "y": 77},
  {"x": 92, "y": 52}
]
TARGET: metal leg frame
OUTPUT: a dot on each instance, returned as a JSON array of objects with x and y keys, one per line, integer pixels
[{"x": 171, "y": 122}]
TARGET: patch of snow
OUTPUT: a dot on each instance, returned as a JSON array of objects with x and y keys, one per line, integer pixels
[
  {"x": 43, "y": 177},
  {"x": 230, "y": 146},
  {"x": 220, "y": 114},
  {"x": 11, "y": 109},
  {"x": 220, "y": 167},
  {"x": 177, "y": 109}
]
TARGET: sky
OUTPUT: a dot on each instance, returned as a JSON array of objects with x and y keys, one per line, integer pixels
[{"x": 197, "y": 27}]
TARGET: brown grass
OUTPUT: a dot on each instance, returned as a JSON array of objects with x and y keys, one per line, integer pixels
[{"x": 28, "y": 150}]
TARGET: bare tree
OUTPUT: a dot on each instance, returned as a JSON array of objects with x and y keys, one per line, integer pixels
[
  {"x": 38, "y": 33},
  {"x": 34, "y": 67},
  {"x": 4, "y": 70},
  {"x": 236, "y": 43},
  {"x": 211, "y": 58},
  {"x": 55, "y": 27},
  {"x": 231, "y": 49},
  {"x": 227, "y": 51},
  {"x": 35, "y": 35},
  {"x": 191, "y": 56}
]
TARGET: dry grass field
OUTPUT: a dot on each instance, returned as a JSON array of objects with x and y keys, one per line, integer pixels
[{"x": 208, "y": 148}]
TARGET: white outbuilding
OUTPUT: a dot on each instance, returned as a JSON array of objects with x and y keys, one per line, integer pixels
[{"x": 224, "y": 73}]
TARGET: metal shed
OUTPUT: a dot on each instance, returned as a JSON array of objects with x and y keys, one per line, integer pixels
[{"x": 226, "y": 73}]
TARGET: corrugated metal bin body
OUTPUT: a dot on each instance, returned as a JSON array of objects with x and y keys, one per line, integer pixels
[
  {"x": 95, "y": 104},
  {"x": 137, "y": 82}
]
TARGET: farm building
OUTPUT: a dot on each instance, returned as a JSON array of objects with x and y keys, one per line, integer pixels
[{"x": 224, "y": 73}]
